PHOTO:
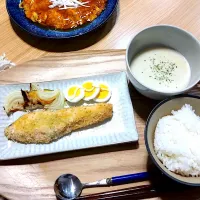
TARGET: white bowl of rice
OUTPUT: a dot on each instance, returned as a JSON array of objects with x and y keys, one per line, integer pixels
[{"x": 172, "y": 137}]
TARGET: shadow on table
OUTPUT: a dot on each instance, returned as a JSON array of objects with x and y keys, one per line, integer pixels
[
  {"x": 65, "y": 45},
  {"x": 71, "y": 154},
  {"x": 3, "y": 198},
  {"x": 141, "y": 105},
  {"x": 168, "y": 189}
]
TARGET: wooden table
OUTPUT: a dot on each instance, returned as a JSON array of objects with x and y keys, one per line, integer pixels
[
  {"x": 130, "y": 17},
  {"x": 33, "y": 178}
]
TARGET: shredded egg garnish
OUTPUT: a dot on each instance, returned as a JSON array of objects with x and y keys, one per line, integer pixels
[
  {"x": 74, "y": 94},
  {"x": 65, "y": 4},
  {"x": 91, "y": 90},
  {"x": 104, "y": 94}
]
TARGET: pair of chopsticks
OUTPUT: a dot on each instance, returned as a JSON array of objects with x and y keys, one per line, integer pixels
[
  {"x": 139, "y": 192},
  {"x": 171, "y": 190}
]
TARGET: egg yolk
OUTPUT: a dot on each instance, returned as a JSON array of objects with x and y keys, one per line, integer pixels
[
  {"x": 103, "y": 94},
  {"x": 88, "y": 85},
  {"x": 103, "y": 87},
  {"x": 89, "y": 93},
  {"x": 74, "y": 91}
]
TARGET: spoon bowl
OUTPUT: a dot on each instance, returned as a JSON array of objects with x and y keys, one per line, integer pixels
[{"x": 68, "y": 187}]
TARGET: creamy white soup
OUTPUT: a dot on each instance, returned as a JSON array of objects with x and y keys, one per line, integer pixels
[{"x": 161, "y": 69}]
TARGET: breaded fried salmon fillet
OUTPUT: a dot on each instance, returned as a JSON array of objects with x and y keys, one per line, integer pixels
[{"x": 41, "y": 127}]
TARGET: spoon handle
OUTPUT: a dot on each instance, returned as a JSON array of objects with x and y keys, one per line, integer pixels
[
  {"x": 129, "y": 178},
  {"x": 118, "y": 180}
]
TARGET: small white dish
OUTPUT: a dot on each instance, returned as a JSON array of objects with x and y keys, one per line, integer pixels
[
  {"x": 165, "y": 36},
  {"x": 120, "y": 129}
]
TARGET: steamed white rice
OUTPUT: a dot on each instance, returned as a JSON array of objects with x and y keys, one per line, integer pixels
[{"x": 177, "y": 141}]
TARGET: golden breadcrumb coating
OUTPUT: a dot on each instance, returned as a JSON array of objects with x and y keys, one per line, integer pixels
[{"x": 45, "y": 126}]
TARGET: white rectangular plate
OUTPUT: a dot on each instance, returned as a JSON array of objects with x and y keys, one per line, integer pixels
[{"x": 120, "y": 129}]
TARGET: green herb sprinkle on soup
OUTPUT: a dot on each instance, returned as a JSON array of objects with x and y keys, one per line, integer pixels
[{"x": 161, "y": 69}]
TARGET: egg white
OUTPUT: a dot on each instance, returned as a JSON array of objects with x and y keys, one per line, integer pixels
[{"x": 74, "y": 99}]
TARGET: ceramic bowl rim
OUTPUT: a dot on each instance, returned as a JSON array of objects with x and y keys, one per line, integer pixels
[
  {"x": 147, "y": 142},
  {"x": 155, "y": 26}
]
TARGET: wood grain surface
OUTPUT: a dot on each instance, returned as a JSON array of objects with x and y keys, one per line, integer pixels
[
  {"x": 33, "y": 178},
  {"x": 130, "y": 17}
]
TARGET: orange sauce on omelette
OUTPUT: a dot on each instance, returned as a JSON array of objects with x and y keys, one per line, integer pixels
[{"x": 39, "y": 11}]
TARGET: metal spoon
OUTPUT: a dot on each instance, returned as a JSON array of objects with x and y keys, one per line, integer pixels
[{"x": 68, "y": 186}]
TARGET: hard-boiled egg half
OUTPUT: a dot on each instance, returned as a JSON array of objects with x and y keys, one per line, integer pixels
[
  {"x": 104, "y": 94},
  {"x": 74, "y": 93},
  {"x": 88, "y": 91},
  {"x": 91, "y": 90}
]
